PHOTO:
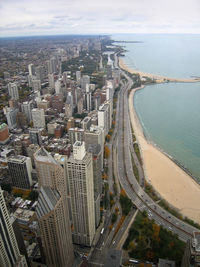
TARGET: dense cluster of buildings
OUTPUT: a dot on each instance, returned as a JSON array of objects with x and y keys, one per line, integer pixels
[{"x": 53, "y": 144}]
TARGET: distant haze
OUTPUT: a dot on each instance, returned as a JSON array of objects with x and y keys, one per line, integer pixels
[{"x": 51, "y": 17}]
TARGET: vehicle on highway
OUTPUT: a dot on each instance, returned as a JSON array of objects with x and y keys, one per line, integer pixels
[
  {"x": 102, "y": 230},
  {"x": 133, "y": 260}
]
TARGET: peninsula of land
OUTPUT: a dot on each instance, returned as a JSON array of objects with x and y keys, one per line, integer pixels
[{"x": 171, "y": 182}]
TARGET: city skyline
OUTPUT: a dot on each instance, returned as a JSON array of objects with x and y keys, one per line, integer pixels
[{"x": 47, "y": 17}]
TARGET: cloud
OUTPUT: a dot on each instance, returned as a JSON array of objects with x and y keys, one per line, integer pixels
[{"x": 106, "y": 16}]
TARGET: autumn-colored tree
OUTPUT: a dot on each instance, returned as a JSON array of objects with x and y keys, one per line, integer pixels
[
  {"x": 104, "y": 176},
  {"x": 131, "y": 245},
  {"x": 110, "y": 227},
  {"x": 156, "y": 231},
  {"x": 108, "y": 137},
  {"x": 123, "y": 193},
  {"x": 107, "y": 152}
]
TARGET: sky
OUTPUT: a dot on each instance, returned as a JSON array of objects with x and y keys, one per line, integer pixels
[{"x": 52, "y": 17}]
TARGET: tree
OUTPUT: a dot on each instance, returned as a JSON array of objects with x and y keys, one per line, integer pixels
[
  {"x": 6, "y": 187},
  {"x": 33, "y": 195},
  {"x": 107, "y": 152}
]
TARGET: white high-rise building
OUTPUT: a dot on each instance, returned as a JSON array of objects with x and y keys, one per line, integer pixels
[
  {"x": 9, "y": 251},
  {"x": 31, "y": 70},
  {"x": 58, "y": 86},
  {"x": 13, "y": 91},
  {"x": 78, "y": 77},
  {"x": 109, "y": 91},
  {"x": 79, "y": 175},
  {"x": 38, "y": 118}
]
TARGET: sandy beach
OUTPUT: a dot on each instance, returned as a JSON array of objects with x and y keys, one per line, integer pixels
[
  {"x": 157, "y": 78},
  {"x": 168, "y": 179}
]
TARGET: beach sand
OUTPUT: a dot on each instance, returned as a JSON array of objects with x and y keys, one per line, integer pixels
[
  {"x": 168, "y": 179},
  {"x": 158, "y": 78}
]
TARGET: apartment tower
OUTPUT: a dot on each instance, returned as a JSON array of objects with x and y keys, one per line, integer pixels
[
  {"x": 79, "y": 175},
  {"x": 9, "y": 251},
  {"x": 54, "y": 228}
]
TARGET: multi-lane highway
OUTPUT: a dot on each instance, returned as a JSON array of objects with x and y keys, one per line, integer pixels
[
  {"x": 121, "y": 147},
  {"x": 126, "y": 176}
]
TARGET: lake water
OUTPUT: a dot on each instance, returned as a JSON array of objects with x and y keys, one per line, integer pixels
[{"x": 169, "y": 113}]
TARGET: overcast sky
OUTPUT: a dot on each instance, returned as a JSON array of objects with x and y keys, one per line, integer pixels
[{"x": 46, "y": 17}]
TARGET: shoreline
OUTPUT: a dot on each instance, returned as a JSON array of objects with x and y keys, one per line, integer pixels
[
  {"x": 168, "y": 178},
  {"x": 157, "y": 78}
]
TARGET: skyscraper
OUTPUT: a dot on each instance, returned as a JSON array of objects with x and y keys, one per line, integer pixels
[
  {"x": 20, "y": 168},
  {"x": 38, "y": 118},
  {"x": 13, "y": 91},
  {"x": 35, "y": 136},
  {"x": 79, "y": 175},
  {"x": 9, "y": 251},
  {"x": 11, "y": 116},
  {"x": 54, "y": 228},
  {"x": 50, "y": 173},
  {"x": 26, "y": 109},
  {"x": 31, "y": 69},
  {"x": 54, "y": 218}
]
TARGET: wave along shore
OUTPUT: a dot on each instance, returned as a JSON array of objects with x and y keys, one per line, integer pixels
[{"x": 168, "y": 179}]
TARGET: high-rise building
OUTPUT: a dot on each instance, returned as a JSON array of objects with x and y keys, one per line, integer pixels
[
  {"x": 36, "y": 84},
  {"x": 35, "y": 136},
  {"x": 39, "y": 72},
  {"x": 54, "y": 228},
  {"x": 11, "y": 115},
  {"x": 52, "y": 65},
  {"x": 95, "y": 136},
  {"x": 104, "y": 117},
  {"x": 84, "y": 81},
  {"x": 51, "y": 81},
  {"x": 26, "y": 108},
  {"x": 9, "y": 251},
  {"x": 49, "y": 171},
  {"x": 38, "y": 118},
  {"x": 31, "y": 69},
  {"x": 4, "y": 133},
  {"x": 79, "y": 175},
  {"x": 78, "y": 77},
  {"x": 21, "y": 120},
  {"x": 76, "y": 134},
  {"x": 58, "y": 86},
  {"x": 86, "y": 123},
  {"x": 96, "y": 156},
  {"x": 13, "y": 91},
  {"x": 20, "y": 168}
]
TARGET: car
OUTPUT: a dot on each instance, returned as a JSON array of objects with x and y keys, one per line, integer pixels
[{"x": 113, "y": 242}]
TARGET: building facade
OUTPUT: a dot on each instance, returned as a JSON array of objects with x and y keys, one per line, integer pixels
[
  {"x": 20, "y": 168},
  {"x": 54, "y": 228},
  {"x": 9, "y": 251},
  {"x": 79, "y": 175}
]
